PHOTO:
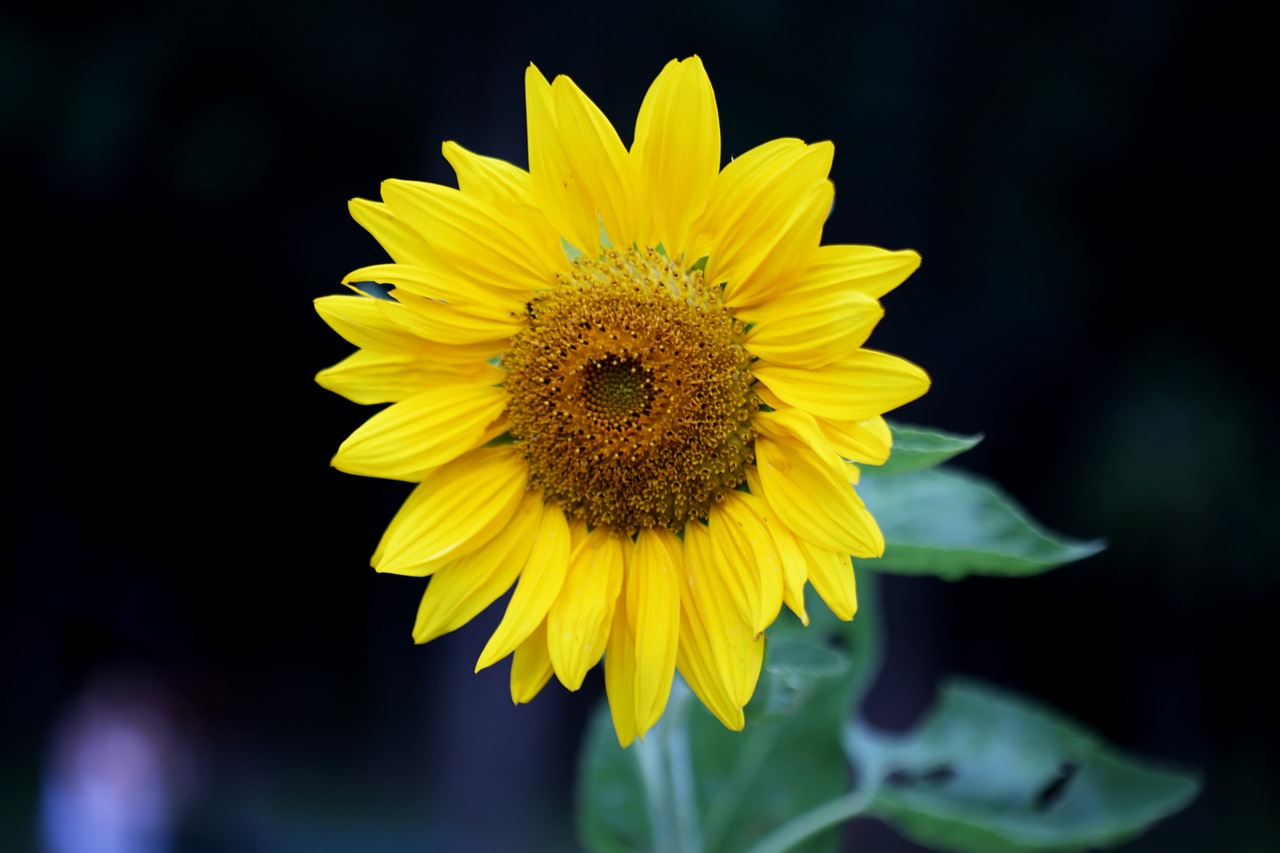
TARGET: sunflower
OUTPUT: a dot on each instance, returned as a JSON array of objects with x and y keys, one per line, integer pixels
[{"x": 629, "y": 383}]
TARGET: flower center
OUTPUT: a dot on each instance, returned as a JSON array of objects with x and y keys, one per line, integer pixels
[
  {"x": 616, "y": 388},
  {"x": 631, "y": 394}
]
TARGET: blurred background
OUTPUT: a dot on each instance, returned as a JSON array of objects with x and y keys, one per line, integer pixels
[{"x": 193, "y": 651}]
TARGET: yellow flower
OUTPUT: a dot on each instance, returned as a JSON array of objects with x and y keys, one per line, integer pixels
[{"x": 628, "y": 382}]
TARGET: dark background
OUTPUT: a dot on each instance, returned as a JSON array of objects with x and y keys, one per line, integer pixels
[{"x": 1088, "y": 182}]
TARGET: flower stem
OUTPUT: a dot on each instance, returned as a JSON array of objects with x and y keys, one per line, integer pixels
[{"x": 666, "y": 766}]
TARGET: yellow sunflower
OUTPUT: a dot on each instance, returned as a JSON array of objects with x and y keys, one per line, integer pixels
[{"x": 628, "y": 382}]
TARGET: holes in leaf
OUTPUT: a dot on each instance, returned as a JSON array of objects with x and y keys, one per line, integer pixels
[
  {"x": 1056, "y": 788},
  {"x": 904, "y": 778}
]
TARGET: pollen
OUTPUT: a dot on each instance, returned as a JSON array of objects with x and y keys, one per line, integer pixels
[{"x": 630, "y": 393}]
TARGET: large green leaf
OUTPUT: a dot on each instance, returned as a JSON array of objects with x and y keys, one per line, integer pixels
[
  {"x": 949, "y": 523},
  {"x": 916, "y": 448},
  {"x": 746, "y": 784},
  {"x": 988, "y": 772}
]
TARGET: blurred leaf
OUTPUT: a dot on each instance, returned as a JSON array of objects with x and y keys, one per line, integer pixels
[
  {"x": 948, "y": 523},
  {"x": 989, "y": 772},
  {"x": 916, "y": 448},
  {"x": 787, "y": 760},
  {"x": 796, "y": 666}
]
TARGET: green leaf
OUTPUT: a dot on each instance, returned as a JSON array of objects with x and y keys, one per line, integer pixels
[
  {"x": 949, "y": 523},
  {"x": 795, "y": 668},
  {"x": 916, "y": 448},
  {"x": 746, "y": 784},
  {"x": 989, "y": 772}
]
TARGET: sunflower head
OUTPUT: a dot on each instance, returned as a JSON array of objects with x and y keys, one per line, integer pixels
[{"x": 629, "y": 383}]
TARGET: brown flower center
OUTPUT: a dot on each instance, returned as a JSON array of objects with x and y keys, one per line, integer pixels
[{"x": 630, "y": 393}]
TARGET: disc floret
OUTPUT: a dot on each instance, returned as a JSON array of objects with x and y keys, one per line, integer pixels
[{"x": 630, "y": 393}]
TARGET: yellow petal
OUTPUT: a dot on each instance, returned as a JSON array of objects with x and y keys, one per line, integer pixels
[
  {"x": 831, "y": 574},
  {"x": 409, "y": 438},
  {"x": 732, "y": 555},
  {"x": 792, "y": 559},
  {"x": 735, "y": 648},
  {"x": 771, "y": 274},
  {"x": 599, "y": 162},
  {"x": 620, "y": 675},
  {"x": 493, "y": 246},
  {"x": 766, "y": 206},
  {"x": 860, "y": 386},
  {"x": 729, "y": 187},
  {"x": 456, "y": 594},
  {"x": 869, "y": 270},
  {"x": 530, "y": 666},
  {"x": 369, "y": 377},
  {"x": 811, "y": 330},
  {"x": 458, "y": 508},
  {"x": 508, "y": 188},
  {"x": 472, "y": 326},
  {"x": 696, "y": 665},
  {"x": 540, "y": 583},
  {"x": 466, "y": 586},
  {"x": 677, "y": 153},
  {"x": 381, "y": 325},
  {"x": 789, "y": 424},
  {"x": 443, "y": 283},
  {"x": 495, "y": 181},
  {"x": 867, "y": 441},
  {"x": 404, "y": 243},
  {"x": 557, "y": 186},
  {"x": 815, "y": 501},
  {"x": 767, "y": 397},
  {"x": 359, "y": 321},
  {"x": 578, "y": 624},
  {"x": 654, "y": 571},
  {"x": 741, "y": 540}
]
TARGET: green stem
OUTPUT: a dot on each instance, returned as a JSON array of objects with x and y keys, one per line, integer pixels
[
  {"x": 819, "y": 818},
  {"x": 680, "y": 767},
  {"x": 666, "y": 766}
]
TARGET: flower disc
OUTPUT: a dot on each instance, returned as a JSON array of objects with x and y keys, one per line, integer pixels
[{"x": 630, "y": 393}]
